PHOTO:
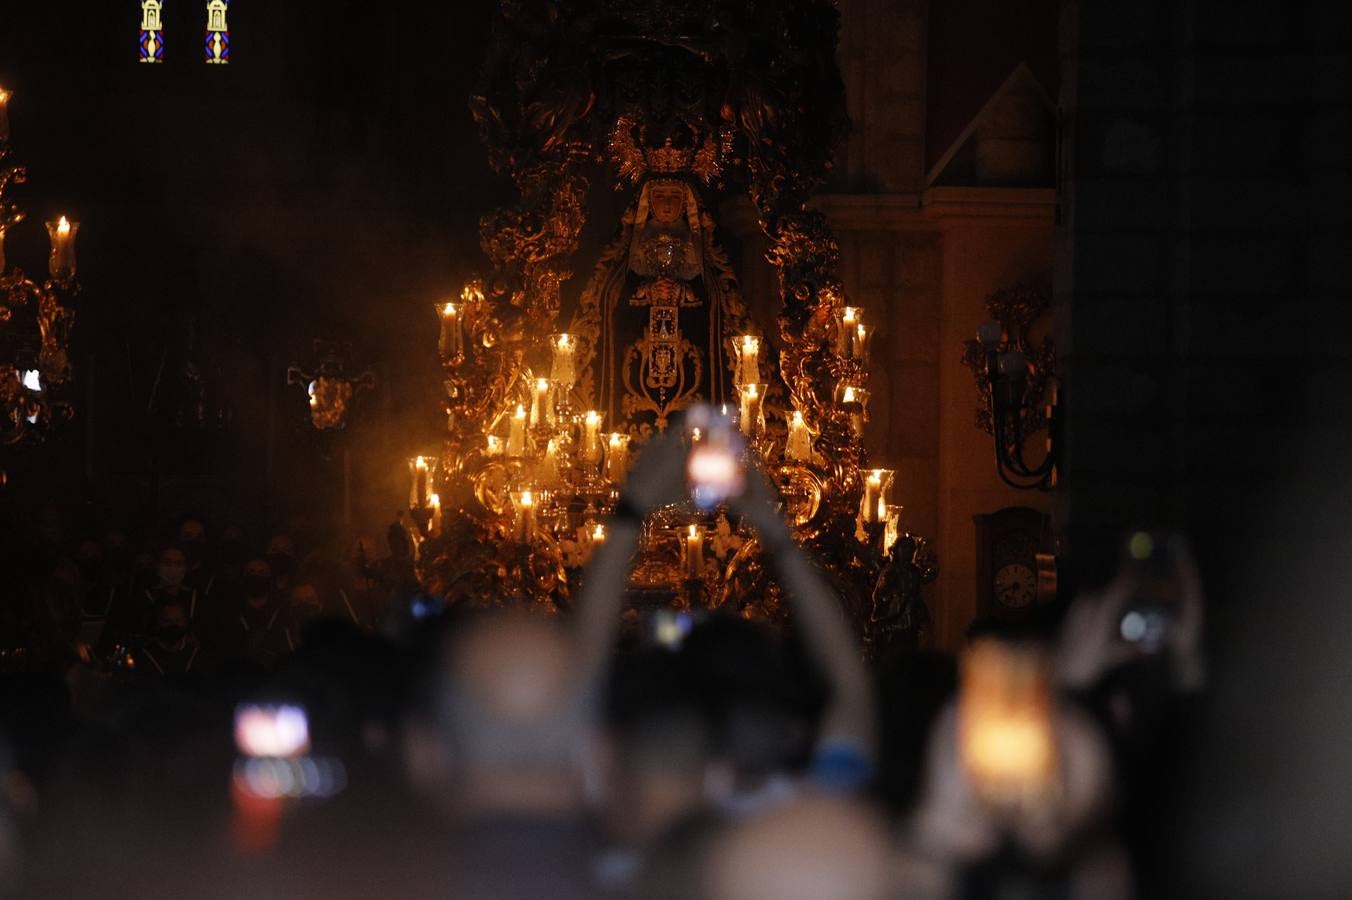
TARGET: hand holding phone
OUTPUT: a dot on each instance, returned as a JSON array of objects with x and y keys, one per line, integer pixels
[{"x": 716, "y": 469}]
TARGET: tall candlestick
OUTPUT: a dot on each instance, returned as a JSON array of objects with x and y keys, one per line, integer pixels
[
  {"x": 591, "y": 437},
  {"x": 4, "y": 114},
  {"x": 753, "y": 418},
  {"x": 542, "y": 409},
  {"x": 748, "y": 359},
  {"x": 694, "y": 553},
  {"x": 451, "y": 342},
  {"x": 799, "y": 445},
  {"x": 516, "y": 434},
  {"x": 61, "y": 263},
  {"x": 563, "y": 369},
  {"x": 617, "y": 458}
]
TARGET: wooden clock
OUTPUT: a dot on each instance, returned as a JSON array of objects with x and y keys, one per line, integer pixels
[{"x": 1015, "y": 573}]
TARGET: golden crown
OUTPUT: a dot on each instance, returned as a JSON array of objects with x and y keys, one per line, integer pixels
[{"x": 635, "y": 157}]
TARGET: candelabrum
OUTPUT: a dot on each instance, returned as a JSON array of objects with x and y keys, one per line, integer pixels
[
  {"x": 35, "y": 317},
  {"x": 1008, "y": 370}
]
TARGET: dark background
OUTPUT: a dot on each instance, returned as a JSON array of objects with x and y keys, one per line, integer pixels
[{"x": 327, "y": 183}]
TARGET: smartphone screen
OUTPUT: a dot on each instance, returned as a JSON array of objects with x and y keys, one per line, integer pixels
[
  {"x": 715, "y": 469},
  {"x": 271, "y": 731}
]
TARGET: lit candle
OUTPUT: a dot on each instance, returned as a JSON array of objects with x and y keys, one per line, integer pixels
[
  {"x": 4, "y": 118},
  {"x": 434, "y": 501},
  {"x": 748, "y": 358},
  {"x": 849, "y": 318},
  {"x": 752, "y": 421},
  {"x": 598, "y": 535},
  {"x": 862, "y": 335},
  {"x": 525, "y": 516},
  {"x": 591, "y": 437},
  {"x": 694, "y": 553},
  {"x": 451, "y": 342},
  {"x": 418, "y": 496},
  {"x": 799, "y": 446},
  {"x": 853, "y": 400},
  {"x": 541, "y": 410},
  {"x": 873, "y": 489},
  {"x": 61, "y": 263},
  {"x": 494, "y": 445},
  {"x": 563, "y": 369},
  {"x": 550, "y": 466},
  {"x": 516, "y": 435},
  {"x": 617, "y": 458}
]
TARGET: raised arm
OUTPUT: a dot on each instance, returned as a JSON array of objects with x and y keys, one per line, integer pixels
[
  {"x": 658, "y": 478},
  {"x": 850, "y": 718}
]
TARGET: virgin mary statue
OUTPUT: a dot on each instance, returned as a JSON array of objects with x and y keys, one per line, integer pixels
[{"x": 663, "y": 306}]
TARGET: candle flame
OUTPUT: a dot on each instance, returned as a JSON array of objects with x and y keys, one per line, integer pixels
[
  {"x": 751, "y": 391},
  {"x": 434, "y": 501},
  {"x": 615, "y": 439},
  {"x": 848, "y": 396},
  {"x": 565, "y": 340},
  {"x": 875, "y": 476},
  {"x": 493, "y": 442},
  {"x": 797, "y": 419},
  {"x": 862, "y": 331},
  {"x": 694, "y": 434},
  {"x": 850, "y": 314},
  {"x": 448, "y": 310},
  {"x": 527, "y": 499},
  {"x": 593, "y": 418},
  {"x": 599, "y": 533},
  {"x": 63, "y": 227},
  {"x": 750, "y": 343},
  {"x": 420, "y": 463},
  {"x": 694, "y": 531},
  {"x": 542, "y": 385},
  {"x": 520, "y": 412}
]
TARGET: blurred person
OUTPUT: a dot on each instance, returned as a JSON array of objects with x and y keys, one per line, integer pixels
[
  {"x": 660, "y": 752},
  {"x": 813, "y": 848},
  {"x": 1050, "y": 838},
  {"x": 521, "y": 741}
]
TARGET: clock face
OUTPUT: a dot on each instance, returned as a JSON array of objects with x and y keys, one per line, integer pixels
[{"x": 1015, "y": 586}]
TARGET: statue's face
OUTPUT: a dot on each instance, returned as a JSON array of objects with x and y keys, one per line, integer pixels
[{"x": 667, "y": 202}]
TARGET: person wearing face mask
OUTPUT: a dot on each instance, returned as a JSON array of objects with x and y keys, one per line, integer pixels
[
  {"x": 303, "y": 608},
  {"x": 257, "y": 628},
  {"x": 133, "y": 616},
  {"x": 172, "y": 649}
]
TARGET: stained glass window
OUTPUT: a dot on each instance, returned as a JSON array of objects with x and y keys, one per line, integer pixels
[
  {"x": 152, "y": 31},
  {"x": 218, "y": 33}
]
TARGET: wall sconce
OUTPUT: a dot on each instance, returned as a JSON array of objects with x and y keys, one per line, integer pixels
[{"x": 328, "y": 386}]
